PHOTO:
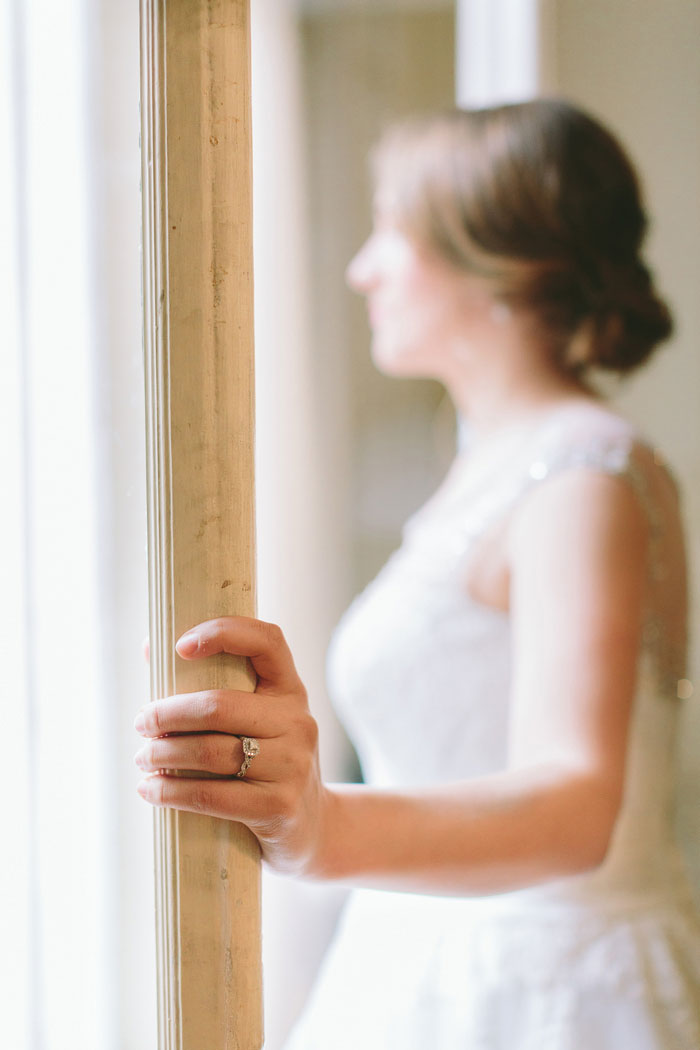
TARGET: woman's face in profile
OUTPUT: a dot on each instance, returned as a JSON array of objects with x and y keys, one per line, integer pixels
[{"x": 418, "y": 303}]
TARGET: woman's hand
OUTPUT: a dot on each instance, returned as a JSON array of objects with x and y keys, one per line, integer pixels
[{"x": 281, "y": 797}]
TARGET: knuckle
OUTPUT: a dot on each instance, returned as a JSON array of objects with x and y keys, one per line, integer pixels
[
  {"x": 273, "y": 634},
  {"x": 310, "y": 731},
  {"x": 210, "y": 707},
  {"x": 306, "y": 728},
  {"x": 159, "y": 791},
  {"x": 151, "y": 756},
  {"x": 285, "y": 802},
  {"x": 153, "y": 718},
  {"x": 206, "y": 754},
  {"x": 299, "y": 694},
  {"x": 201, "y": 799}
]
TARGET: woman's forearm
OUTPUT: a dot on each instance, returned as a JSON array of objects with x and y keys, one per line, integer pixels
[{"x": 487, "y": 835}]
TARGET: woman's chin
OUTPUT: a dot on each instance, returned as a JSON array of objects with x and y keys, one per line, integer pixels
[{"x": 392, "y": 361}]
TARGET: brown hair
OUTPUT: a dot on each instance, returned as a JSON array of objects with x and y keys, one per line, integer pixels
[{"x": 543, "y": 201}]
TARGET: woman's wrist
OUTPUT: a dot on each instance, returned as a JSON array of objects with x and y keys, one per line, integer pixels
[{"x": 322, "y": 861}]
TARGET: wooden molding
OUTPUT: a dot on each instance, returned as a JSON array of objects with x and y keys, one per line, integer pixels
[{"x": 198, "y": 322}]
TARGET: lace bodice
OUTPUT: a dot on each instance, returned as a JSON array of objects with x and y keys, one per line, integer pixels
[{"x": 420, "y": 671}]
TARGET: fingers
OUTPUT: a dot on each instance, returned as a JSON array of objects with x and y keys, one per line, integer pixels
[
  {"x": 147, "y": 649},
  {"x": 229, "y": 799},
  {"x": 193, "y": 732},
  {"x": 213, "y": 711},
  {"x": 217, "y": 753},
  {"x": 263, "y": 643}
]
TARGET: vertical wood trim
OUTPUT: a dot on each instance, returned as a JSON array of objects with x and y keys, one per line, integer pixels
[{"x": 198, "y": 310}]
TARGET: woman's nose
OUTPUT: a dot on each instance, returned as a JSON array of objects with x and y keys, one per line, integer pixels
[{"x": 360, "y": 273}]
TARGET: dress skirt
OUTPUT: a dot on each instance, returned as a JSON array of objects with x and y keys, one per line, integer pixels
[{"x": 409, "y": 972}]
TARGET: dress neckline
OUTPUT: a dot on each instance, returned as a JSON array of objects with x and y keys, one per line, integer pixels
[
  {"x": 541, "y": 422},
  {"x": 472, "y": 471}
]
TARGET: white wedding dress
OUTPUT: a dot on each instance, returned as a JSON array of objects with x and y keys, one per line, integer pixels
[{"x": 607, "y": 960}]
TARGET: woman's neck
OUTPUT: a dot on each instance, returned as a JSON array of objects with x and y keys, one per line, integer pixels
[{"x": 506, "y": 390}]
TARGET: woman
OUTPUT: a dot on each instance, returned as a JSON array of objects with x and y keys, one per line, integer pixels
[{"x": 512, "y": 677}]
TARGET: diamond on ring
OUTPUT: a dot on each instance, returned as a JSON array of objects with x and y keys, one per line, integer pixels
[{"x": 251, "y": 748}]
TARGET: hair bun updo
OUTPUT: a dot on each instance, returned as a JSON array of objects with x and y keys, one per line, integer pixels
[
  {"x": 542, "y": 200},
  {"x": 626, "y": 323}
]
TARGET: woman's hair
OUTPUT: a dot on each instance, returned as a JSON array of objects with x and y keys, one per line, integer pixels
[{"x": 542, "y": 200}]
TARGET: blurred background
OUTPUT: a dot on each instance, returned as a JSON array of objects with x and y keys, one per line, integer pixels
[{"x": 343, "y": 453}]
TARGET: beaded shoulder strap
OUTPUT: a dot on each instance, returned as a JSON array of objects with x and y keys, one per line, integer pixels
[{"x": 625, "y": 456}]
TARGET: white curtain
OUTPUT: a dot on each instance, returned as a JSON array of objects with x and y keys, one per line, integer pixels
[{"x": 71, "y": 533}]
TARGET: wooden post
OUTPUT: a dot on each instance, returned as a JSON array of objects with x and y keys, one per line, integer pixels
[{"x": 197, "y": 266}]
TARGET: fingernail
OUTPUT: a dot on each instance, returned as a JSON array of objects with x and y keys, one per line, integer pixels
[
  {"x": 142, "y": 789},
  {"x": 139, "y": 722},
  {"x": 188, "y": 644}
]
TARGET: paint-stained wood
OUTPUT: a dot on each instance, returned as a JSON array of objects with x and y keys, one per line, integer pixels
[{"x": 197, "y": 259}]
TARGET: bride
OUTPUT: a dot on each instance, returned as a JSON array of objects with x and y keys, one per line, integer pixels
[{"x": 514, "y": 676}]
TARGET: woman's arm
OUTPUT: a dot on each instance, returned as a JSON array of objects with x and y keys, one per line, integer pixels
[{"x": 578, "y": 559}]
